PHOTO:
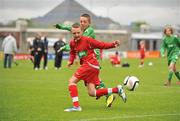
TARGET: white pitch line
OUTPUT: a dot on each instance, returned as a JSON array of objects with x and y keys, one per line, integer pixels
[{"x": 127, "y": 117}]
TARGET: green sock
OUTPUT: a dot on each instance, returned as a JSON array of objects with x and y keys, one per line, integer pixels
[
  {"x": 101, "y": 85},
  {"x": 177, "y": 75},
  {"x": 170, "y": 74}
]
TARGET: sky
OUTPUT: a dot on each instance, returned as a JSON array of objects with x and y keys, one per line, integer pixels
[{"x": 154, "y": 12}]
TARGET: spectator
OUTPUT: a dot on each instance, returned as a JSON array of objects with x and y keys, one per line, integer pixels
[
  {"x": 45, "y": 52},
  {"x": 9, "y": 47},
  {"x": 38, "y": 51},
  {"x": 31, "y": 51},
  {"x": 58, "y": 53}
]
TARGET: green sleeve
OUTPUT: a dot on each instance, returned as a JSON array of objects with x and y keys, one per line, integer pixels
[
  {"x": 163, "y": 48},
  {"x": 89, "y": 32},
  {"x": 66, "y": 47},
  {"x": 63, "y": 27}
]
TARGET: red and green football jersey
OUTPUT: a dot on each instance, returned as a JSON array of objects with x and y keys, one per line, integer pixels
[{"x": 89, "y": 32}]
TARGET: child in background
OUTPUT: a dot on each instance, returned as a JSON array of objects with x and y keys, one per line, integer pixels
[
  {"x": 142, "y": 53},
  {"x": 172, "y": 44},
  {"x": 115, "y": 59}
]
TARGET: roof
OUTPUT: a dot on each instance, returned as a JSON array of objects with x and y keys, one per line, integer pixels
[{"x": 154, "y": 35}]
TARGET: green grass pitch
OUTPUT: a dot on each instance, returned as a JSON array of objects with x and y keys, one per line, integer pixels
[{"x": 28, "y": 95}]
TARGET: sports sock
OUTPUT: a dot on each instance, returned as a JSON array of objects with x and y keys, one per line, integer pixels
[
  {"x": 170, "y": 74},
  {"x": 106, "y": 91},
  {"x": 74, "y": 95},
  {"x": 102, "y": 85},
  {"x": 177, "y": 75}
]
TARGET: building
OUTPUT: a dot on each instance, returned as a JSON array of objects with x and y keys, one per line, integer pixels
[
  {"x": 152, "y": 40},
  {"x": 24, "y": 34}
]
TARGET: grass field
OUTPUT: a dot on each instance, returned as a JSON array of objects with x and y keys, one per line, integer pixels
[{"x": 28, "y": 95}]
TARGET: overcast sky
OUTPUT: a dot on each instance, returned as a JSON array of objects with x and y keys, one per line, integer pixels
[{"x": 155, "y": 12}]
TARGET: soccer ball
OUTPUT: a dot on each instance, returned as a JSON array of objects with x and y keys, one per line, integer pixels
[
  {"x": 150, "y": 63},
  {"x": 131, "y": 83}
]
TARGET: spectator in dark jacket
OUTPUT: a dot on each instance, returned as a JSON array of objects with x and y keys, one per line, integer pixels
[
  {"x": 31, "y": 51},
  {"x": 58, "y": 54},
  {"x": 45, "y": 52},
  {"x": 38, "y": 51}
]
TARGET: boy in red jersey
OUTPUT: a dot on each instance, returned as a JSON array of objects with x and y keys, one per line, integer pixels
[
  {"x": 89, "y": 69},
  {"x": 85, "y": 23},
  {"x": 142, "y": 53},
  {"x": 115, "y": 59}
]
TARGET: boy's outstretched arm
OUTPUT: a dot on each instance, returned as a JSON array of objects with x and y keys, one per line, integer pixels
[{"x": 63, "y": 27}]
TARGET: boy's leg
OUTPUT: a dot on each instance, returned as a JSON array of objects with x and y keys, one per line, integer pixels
[
  {"x": 177, "y": 73},
  {"x": 172, "y": 69},
  {"x": 142, "y": 62},
  {"x": 55, "y": 60},
  {"x": 58, "y": 61},
  {"x": 45, "y": 61},
  {"x": 74, "y": 95},
  {"x": 10, "y": 60},
  {"x": 168, "y": 82},
  {"x": 170, "y": 73},
  {"x": 5, "y": 60},
  {"x": 109, "y": 97},
  {"x": 105, "y": 91},
  {"x": 175, "y": 58}
]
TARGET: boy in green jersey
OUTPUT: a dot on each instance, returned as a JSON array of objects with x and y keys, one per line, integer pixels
[
  {"x": 85, "y": 21},
  {"x": 172, "y": 44}
]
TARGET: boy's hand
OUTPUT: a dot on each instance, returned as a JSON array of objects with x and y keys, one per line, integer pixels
[
  {"x": 69, "y": 64},
  {"x": 117, "y": 43},
  {"x": 55, "y": 25}
]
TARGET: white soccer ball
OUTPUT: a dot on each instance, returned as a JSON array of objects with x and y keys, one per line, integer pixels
[
  {"x": 150, "y": 63},
  {"x": 131, "y": 82}
]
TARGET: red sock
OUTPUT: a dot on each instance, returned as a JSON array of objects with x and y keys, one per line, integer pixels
[
  {"x": 105, "y": 91},
  {"x": 74, "y": 95},
  {"x": 115, "y": 90}
]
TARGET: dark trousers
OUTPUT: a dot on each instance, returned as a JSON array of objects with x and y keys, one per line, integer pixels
[
  {"x": 58, "y": 60},
  {"x": 45, "y": 60},
  {"x": 37, "y": 60},
  {"x": 8, "y": 60}
]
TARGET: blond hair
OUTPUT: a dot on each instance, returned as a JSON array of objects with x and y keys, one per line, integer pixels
[{"x": 168, "y": 27}]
